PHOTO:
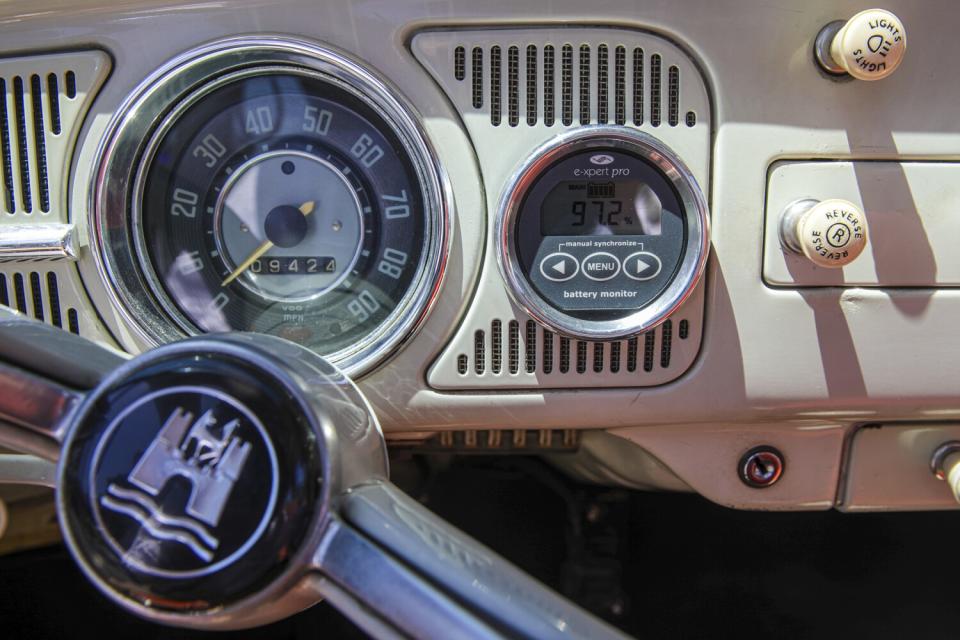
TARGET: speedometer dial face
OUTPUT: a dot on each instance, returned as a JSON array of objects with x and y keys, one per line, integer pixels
[{"x": 281, "y": 202}]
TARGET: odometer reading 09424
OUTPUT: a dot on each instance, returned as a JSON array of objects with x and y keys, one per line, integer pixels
[{"x": 281, "y": 202}]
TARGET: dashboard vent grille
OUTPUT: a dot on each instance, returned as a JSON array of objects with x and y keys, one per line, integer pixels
[
  {"x": 585, "y": 81},
  {"x": 30, "y": 114},
  {"x": 514, "y": 346},
  {"x": 495, "y": 81},
  {"x": 513, "y": 84},
  {"x": 638, "y": 86},
  {"x": 42, "y": 102},
  {"x": 620, "y": 83},
  {"x": 477, "y": 76},
  {"x": 530, "y": 346},
  {"x": 506, "y": 441},
  {"x": 574, "y": 357},
  {"x": 38, "y": 296},
  {"x": 655, "y": 89},
  {"x": 603, "y": 86},
  {"x": 564, "y": 354},
  {"x": 549, "y": 92},
  {"x": 673, "y": 96},
  {"x": 5, "y": 150},
  {"x": 460, "y": 63},
  {"x": 566, "y": 70}
]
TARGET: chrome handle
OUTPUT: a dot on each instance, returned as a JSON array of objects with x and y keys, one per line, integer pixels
[{"x": 477, "y": 591}]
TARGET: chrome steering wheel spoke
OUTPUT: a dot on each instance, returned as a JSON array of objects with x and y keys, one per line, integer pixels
[
  {"x": 44, "y": 374},
  {"x": 471, "y": 590}
]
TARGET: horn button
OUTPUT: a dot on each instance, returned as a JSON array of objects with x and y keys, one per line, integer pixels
[{"x": 191, "y": 481}]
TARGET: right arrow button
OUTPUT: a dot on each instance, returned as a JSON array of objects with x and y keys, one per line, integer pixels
[{"x": 642, "y": 265}]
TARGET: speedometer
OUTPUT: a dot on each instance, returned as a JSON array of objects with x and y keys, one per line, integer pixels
[
  {"x": 287, "y": 192},
  {"x": 281, "y": 204}
]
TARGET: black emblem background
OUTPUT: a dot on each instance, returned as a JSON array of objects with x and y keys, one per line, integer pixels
[{"x": 246, "y": 505}]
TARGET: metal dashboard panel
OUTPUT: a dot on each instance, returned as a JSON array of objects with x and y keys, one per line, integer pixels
[{"x": 768, "y": 355}]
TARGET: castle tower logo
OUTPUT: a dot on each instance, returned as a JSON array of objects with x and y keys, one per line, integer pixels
[
  {"x": 210, "y": 459},
  {"x": 186, "y": 494}
]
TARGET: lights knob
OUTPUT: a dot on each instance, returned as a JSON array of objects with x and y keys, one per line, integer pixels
[
  {"x": 868, "y": 46},
  {"x": 830, "y": 233}
]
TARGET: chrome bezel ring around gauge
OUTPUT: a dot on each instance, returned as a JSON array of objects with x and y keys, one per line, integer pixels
[
  {"x": 696, "y": 246},
  {"x": 124, "y": 158}
]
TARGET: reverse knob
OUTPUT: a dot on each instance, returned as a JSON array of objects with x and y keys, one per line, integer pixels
[
  {"x": 830, "y": 233},
  {"x": 868, "y": 46}
]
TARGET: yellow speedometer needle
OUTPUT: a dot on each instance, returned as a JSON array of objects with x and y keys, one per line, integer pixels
[{"x": 306, "y": 209}]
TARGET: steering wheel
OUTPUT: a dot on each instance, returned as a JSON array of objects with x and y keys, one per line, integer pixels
[{"x": 228, "y": 481}]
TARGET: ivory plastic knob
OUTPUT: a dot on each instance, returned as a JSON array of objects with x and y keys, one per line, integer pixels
[
  {"x": 868, "y": 46},
  {"x": 829, "y": 233}
]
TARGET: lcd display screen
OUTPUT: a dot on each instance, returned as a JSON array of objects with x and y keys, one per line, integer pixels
[{"x": 601, "y": 208}]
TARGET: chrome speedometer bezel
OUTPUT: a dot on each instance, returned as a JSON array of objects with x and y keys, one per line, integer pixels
[{"x": 125, "y": 154}]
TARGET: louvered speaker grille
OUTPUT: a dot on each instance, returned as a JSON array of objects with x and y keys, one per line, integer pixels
[
  {"x": 592, "y": 83},
  {"x": 37, "y": 294},
  {"x": 540, "y": 350},
  {"x": 30, "y": 114},
  {"x": 43, "y": 99}
]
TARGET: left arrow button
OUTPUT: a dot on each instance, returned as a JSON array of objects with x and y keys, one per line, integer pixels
[{"x": 559, "y": 267}]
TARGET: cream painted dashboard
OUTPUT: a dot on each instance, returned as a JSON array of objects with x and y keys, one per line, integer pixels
[{"x": 800, "y": 365}]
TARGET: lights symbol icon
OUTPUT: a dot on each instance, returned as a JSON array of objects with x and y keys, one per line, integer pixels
[{"x": 877, "y": 44}]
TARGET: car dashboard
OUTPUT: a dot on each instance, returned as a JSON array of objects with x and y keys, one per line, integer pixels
[{"x": 663, "y": 244}]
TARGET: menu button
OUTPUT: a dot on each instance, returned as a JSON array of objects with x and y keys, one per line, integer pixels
[{"x": 600, "y": 266}]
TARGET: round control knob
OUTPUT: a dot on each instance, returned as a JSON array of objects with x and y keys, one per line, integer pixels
[
  {"x": 830, "y": 233},
  {"x": 868, "y": 46}
]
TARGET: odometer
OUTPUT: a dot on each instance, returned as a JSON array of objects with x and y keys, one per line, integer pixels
[{"x": 285, "y": 199}]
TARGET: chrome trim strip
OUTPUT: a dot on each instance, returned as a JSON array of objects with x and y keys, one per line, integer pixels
[
  {"x": 35, "y": 405},
  {"x": 939, "y": 457},
  {"x": 21, "y": 242},
  {"x": 789, "y": 218},
  {"x": 821, "y": 48},
  {"x": 140, "y": 303},
  {"x": 695, "y": 254},
  {"x": 19, "y": 468}
]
